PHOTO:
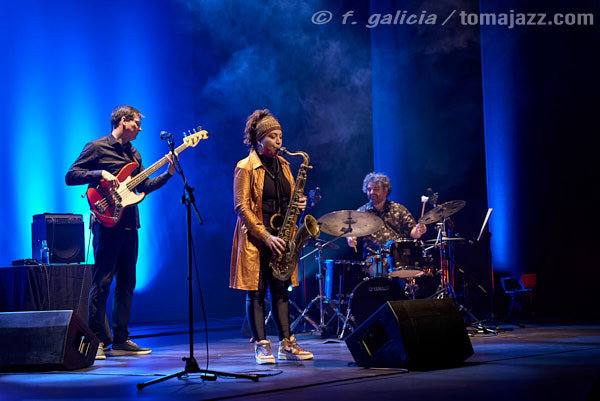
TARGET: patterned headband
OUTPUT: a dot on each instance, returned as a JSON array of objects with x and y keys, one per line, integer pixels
[{"x": 265, "y": 126}]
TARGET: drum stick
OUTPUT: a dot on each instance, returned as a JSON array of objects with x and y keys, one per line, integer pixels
[{"x": 424, "y": 199}]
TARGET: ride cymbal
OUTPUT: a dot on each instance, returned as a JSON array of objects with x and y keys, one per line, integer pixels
[
  {"x": 350, "y": 223},
  {"x": 442, "y": 211}
]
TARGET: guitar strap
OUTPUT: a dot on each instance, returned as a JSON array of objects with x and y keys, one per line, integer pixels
[{"x": 130, "y": 151}]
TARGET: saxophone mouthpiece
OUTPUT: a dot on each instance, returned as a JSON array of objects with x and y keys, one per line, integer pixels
[{"x": 282, "y": 150}]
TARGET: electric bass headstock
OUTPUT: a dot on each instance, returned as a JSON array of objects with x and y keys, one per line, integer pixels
[{"x": 192, "y": 137}]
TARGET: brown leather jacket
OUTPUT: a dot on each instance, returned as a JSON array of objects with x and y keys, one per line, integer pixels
[{"x": 249, "y": 232}]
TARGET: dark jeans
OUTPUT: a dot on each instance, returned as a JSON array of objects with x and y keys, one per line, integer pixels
[
  {"x": 255, "y": 302},
  {"x": 115, "y": 251}
]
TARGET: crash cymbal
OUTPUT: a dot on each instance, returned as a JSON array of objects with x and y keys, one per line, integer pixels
[
  {"x": 316, "y": 242},
  {"x": 442, "y": 211},
  {"x": 350, "y": 223}
]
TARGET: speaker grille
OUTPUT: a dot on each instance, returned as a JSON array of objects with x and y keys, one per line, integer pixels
[
  {"x": 45, "y": 340},
  {"x": 64, "y": 235},
  {"x": 421, "y": 334}
]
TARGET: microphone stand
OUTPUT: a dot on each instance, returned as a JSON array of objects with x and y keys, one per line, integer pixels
[{"x": 191, "y": 366}]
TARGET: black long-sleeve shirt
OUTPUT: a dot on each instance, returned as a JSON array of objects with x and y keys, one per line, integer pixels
[{"x": 107, "y": 154}]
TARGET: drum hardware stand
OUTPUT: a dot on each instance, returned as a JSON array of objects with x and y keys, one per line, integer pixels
[
  {"x": 339, "y": 224},
  {"x": 291, "y": 303},
  {"x": 191, "y": 365},
  {"x": 379, "y": 262},
  {"x": 323, "y": 300},
  {"x": 446, "y": 289},
  {"x": 411, "y": 288},
  {"x": 347, "y": 319},
  {"x": 378, "y": 258}
]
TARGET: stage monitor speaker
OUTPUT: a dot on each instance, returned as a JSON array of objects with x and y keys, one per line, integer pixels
[
  {"x": 420, "y": 334},
  {"x": 64, "y": 235},
  {"x": 45, "y": 340}
]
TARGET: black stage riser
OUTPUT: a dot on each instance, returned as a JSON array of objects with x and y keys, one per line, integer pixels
[
  {"x": 45, "y": 340},
  {"x": 419, "y": 334}
]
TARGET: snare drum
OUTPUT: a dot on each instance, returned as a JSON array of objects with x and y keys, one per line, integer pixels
[
  {"x": 370, "y": 294},
  {"x": 405, "y": 258},
  {"x": 342, "y": 276}
]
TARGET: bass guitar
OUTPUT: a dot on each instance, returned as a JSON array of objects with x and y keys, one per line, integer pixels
[{"x": 107, "y": 204}]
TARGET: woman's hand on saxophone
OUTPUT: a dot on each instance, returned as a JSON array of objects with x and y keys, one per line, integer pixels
[
  {"x": 302, "y": 203},
  {"x": 275, "y": 244}
]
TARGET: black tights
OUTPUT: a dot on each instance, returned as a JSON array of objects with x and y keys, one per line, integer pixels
[{"x": 255, "y": 303}]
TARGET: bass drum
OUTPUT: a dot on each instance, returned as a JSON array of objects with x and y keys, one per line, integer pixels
[{"x": 369, "y": 295}]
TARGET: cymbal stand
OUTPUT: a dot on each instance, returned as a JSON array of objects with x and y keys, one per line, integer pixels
[
  {"x": 321, "y": 297},
  {"x": 446, "y": 287}
]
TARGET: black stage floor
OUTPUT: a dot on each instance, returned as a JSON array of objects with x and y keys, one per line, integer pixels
[{"x": 541, "y": 361}]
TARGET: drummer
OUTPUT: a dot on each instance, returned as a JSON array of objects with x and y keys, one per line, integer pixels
[{"x": 398, "y": 222}]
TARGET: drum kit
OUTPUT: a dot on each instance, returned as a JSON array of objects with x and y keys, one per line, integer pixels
[{"x": 390, "y": 274}]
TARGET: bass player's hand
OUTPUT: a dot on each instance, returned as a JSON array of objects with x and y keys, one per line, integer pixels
[{"x": 111, "y": 180}]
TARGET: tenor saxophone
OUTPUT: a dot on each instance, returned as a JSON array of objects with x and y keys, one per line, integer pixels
[{"x": 284, "y": 264}]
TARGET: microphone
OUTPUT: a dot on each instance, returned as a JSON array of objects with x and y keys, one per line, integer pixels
[
  {"x": 433, "y": 197},
  {"x": 165, "y": 135},
  {"x": 315, "y": 196}
]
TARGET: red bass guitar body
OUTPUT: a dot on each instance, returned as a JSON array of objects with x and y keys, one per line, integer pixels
[{"x": 107, "y": 203}]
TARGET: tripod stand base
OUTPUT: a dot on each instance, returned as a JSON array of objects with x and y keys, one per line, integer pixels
[
  {"x": 191, "y": 366},
  {"x": 493, "y": 320},
  {"x": 446, "y": 291},
  {"x": 323, "y": 301}
]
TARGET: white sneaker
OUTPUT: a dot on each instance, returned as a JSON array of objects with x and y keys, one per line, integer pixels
[
  {"x": 100, "y": 355},
  {"x": 262, "y": 352},
  {"x": 290, "y": 350}
]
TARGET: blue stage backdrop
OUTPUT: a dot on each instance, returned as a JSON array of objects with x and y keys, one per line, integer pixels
[{"x": 492, "y": 116}]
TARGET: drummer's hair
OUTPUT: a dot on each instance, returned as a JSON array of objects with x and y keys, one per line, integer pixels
[{"x": 378, "y": 179}]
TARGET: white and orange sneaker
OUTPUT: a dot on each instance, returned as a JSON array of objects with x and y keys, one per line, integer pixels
[
  {"x": 290, "y": 350},
  {"x": 262, "y": 352}
]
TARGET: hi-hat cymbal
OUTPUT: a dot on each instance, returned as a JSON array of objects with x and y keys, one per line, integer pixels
[
  {"x": 350, "y": 223},
  {"x": 442, "y": 211},
  {"x": 455, "y": 240},
  {"x": 319, "y": 242}
]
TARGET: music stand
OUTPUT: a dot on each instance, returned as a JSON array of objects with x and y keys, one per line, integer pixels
[{"x": 488, "y": 235}]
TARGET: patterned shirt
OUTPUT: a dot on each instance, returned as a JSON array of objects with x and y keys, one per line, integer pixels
[{"x": 397, "y": 223}]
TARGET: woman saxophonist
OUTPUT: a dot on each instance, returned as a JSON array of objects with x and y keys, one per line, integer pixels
[{"x": 262, "y": 186}]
